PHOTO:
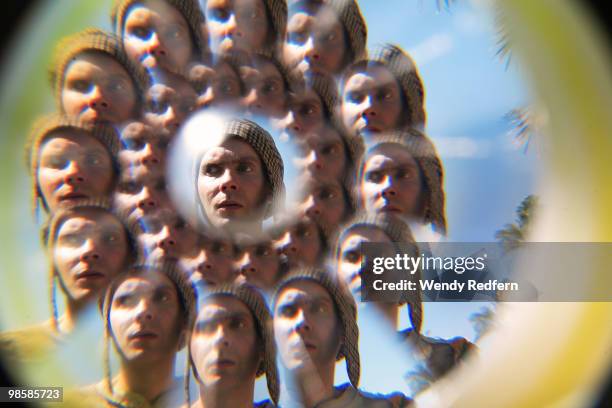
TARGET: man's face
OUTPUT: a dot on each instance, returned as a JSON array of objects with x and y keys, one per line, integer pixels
[
  {"x": 213, "y": 263},
  {"x": 73, "y": 166},
  {"x": 350, "y": 256},
  {"x": 145, "y": 318},
  {"x": 168, "y": 104},
  {"x": 305, "y": 115},
  {"x": 157, "y": 36},
  {"x": 300, "y": 244},
  {"x": 324, "y": 154},
  {"x": 315, "y": 41},
  {"x": 259, "y": 264},
  {"x": 143, "y": 152},
  {"x": 97, "y": 89},
  {"x": 264, "y": 89},
  {"x": 307, "y": 328},
  {"x": 231, "y": 182},
  {"x": 324, "y": 202},
  {"x": 90, "y": 250},
  {"x": 165, "y": 235},
  {"x": 225, "y": 348},
  {"x": 391, "y": 181},
  {"x": 140, "y": 194},
  {"x": 237, "y": 25},
  {"x": 220, "y": 85},
  {"x": 371, "y": 101}
]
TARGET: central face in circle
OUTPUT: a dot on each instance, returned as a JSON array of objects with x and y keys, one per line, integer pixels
[{"x": 231, "y": 183}]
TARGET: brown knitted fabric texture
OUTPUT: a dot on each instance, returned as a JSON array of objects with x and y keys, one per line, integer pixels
[
  {"x": 92, "y": 39},
  {"x": 277, "y": 11},
  {"x": 424, "y": 153},
  {"x": 189, "y": 9},
  {"x": 263, "y": 144},
  {"x": 47, "y": 125},
  {"x": 322, "y": 84},
  {"x": 399, "y": 233},
  {"x": 405, "y": 71},
  {"x": 350, "y": 15},
  {"x": 347, "y": 312},
  {"x": 254, "y": 300}
]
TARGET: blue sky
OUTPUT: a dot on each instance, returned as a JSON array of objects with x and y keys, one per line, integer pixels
[{"x": 468, "y": 92}]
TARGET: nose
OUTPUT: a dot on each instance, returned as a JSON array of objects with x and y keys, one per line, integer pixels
[
  {"x": 89, "y": 252},
  {"x": 389, "y": 189},
  {"x": 97, "y": 99},
  {"x": 251, "y": 101},
  {"x": 156, "y": 46},
  {"x": 229, "y": 182},
  {"x": 368, "y": 110},
  {"x": 144, "y": 311},
  {"x": 171, "y": 119},
  {"x": 146, "y": 201},
  {"x": 311, "y": 207},
  {"x": 301, "y": 322},
  {"x": 73, "y": 174},
  {"x": 230, "y": 28},
  {"x": 204, "y": 264},
  {"x": 246, "y": 265},
  {"x": 314, "y": 164},
  {"x": 148, "y": 156},
  {"x": 165, "y": 239},
  {"x": 220, "y": 338},
  {"x": 311, "y": 51},
  {"x": 291, "y": 123}
]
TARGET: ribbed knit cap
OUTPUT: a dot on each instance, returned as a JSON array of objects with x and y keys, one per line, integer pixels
[
  {"x": 277, "y": 10},
  {"x": 189, "y": 9},
  {"x": 350, "y": 15},
  {"x": 255, "y": 302},
  {"x": 347, "y": 313},
  {"x": 322, "y": 84},
  {"x": 424, "y": 153},
  {"x": 92, "y": 39},
  {"x": 399, "y": 233},
  {"x": 47, "y": 125}
]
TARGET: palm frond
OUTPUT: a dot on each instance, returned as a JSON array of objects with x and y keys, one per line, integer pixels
[
  {"x": 503, "y": 51},
  {"x": 523, "y": 128}
]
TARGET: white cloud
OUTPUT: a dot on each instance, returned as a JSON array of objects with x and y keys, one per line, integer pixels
[
  {"x": 462, "y": 147},
  {"x": 432, "y": 48}
]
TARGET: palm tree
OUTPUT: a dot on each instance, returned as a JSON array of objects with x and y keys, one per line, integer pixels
[{"x": 513, "y": 235}]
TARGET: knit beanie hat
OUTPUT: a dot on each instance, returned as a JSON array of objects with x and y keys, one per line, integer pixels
[
  {"x": 345, "y": 307},
  {"x": 255, "y": 302},
  {"x": 350, "y": 15},
  {"x": 92, "y": 39},
  {"x": 277, "y": 11},
  {"x": 189, "y": 9},
  {"x": 47, "y": 125},
  {"x": 51, "y": 228},
  {"x": 399, "y": 233},
  {"x": 167, "y": 268},
  {"x": 262, "y": 142},
  {"x": 407, "y": 75},
  {"x": 322, "y": 84},
  {"x": 424, "y": 153}
]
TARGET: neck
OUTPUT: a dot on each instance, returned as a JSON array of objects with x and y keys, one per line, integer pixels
[
  {"x": 74, "y": 309},
  {"x": 390, "y": 311},
  {"x": 238, "y": 396},
  {"x": 149, "y": 380},
  {"x": 314, "y": 384}
]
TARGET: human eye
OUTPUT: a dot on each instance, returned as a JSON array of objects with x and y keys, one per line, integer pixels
[
  {"x": 158, "y": 107},
  {"x": 124, "y": 299},
  {"x": 226, "y": 88},
  {"x": 174, "y": 32},
  {"x": 160, "y": 185},
  {"x": 141, "y": 32},
  {"x": 218, "y": 248},
  {"x": 302, "y": 231},
  {"x": 55, "y": 162},
  {"x": 180, "y": 224},
  {"x": 296, "y": 37},
  {"x": 262, "y": 251},
  {"x": 219, "y": 14},
  {"x": 128, "y": 187},
  {"x": 355, "y": 97},
  {"x": 71, "y": 239},
  {"x": 213, "y": 170},
  {"x": 244, "y": 167},
  {"x": 352, "y": 256},
  {"x": 329, "y": 149},
  {"x": 93, "y": 159},
  {"x": 269, "y": 87},
  {"x": 287, "y": 310},
  {"x": 374, "y": 176},
  {"x": 116, "y": 85},
  {"x": 237, "y": 323},
  {"x": 326, "y": 194},
  {"x": 111, "y": 237},
  {"x": 162, "y": 296},
  {"x": 81, "y": 85},
  {"x": 204, "y": 327}
]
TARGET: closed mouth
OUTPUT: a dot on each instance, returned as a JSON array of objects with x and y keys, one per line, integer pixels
[
  {"x": 390, "y": 208},
  {"x": 89, "y": 275},
  {"x": 142, "y": 335},
  {"x": 229, "y": 205},
  {"x": 73, "y": 196}
]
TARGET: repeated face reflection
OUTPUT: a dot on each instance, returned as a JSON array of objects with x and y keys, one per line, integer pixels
[
  {"x": 169, "y": 103},
  {"x": 307, "y": 328},
  {"x": 97, "y": 89},
  {"x": 140, "y": 195},
  {"x": 219, "y": 85},
  {"x": 372, "y": 101},
  {"x": 157, "y": 36},
  {"x": 316, "y": 41},
  {"x": 212, "y": 263},
  {"x": 231, "y": 183},
  {"x": 237, "y": 25},
  {"x": 225, "y": 347},
  {"x": 165, "y": 235},
  {"x": 90, "y": 250},
  {"x": 391, "y": 181},
  {"x": 259, "y": 264},
  {"x": 305, "y": 115},
  {"x": 143, "y": 151},
  {"x": 300, "y": 244},
  {"x": 350, "y": 257},
  {"x": 324, "y": 202},
  {"x": 264, "y": 88},
  {"x": 324, "y": 154},
  {"x": 73, "y": 166},
  {"x": 145, "y": 318}
]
